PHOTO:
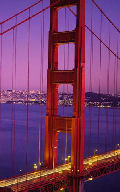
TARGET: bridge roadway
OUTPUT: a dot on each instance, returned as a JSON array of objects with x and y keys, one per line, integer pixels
[{"x": 95, "y": 166}]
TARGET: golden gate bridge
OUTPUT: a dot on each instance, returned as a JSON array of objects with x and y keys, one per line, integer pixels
[{"x": 76, "y": 168}]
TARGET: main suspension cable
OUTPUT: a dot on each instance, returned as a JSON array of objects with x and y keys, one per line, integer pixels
[
  {"x": 17, "y": 14},
  {"x": 102, "y": 42},
  {"x": 29, "y": 18},
  {"x": 103, "y": 13}
]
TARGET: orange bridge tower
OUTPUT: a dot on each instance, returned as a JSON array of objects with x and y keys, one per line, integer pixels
[{"x": 76, "y": 77}]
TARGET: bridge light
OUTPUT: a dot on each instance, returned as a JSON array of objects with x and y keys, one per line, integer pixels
[
  {"x": 90, "y": 178},
  {"x": 69, "y": 158},
  {"x": 118, "y": 146},
  {"x": 35, "y": 166},
  {"x": 90, "y": 162},
  {"x": 66, "y": 159},
  {"x": 95, "y": 151},
  {"x": 62, "y": 189}
]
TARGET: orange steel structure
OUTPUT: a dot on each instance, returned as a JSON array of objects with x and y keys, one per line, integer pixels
[{"x": 54, "y": 123}]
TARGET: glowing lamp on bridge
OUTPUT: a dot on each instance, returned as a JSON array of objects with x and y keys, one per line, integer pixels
[
  {"x": 62, "y": 189},
  {"x": 90, "y": 178},
  {"x": 35, "y": 166},
  {"x": 90, "y": 162},
  {"x": 118, "y": 146},
  {"x": 95, "y": 151},
  {"x": 20, "y": 171},
  {"x": 69, "y": 158},
  {"x": 66, "y": 159}
]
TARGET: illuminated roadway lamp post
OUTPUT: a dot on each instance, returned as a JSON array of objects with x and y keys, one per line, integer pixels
[
  {"x": 66, "y": 160},
  {"x": 69, "y": 158},
  {"x": 95, "y": 151},
  {"x": 118, "y": 146},
  {"x": 35, "y": 167},
  {"x": 17, "y": 178}
]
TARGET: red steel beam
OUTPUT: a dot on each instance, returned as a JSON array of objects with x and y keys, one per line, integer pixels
[
  {"x": 62, "y": 76},
  {"x": 67, "y": 3},
  {"x": 64, "y": 37}
]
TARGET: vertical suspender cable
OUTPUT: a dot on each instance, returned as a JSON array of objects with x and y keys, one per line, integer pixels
[
  {"x": 108, "y": 91},
  {"x": 91, "y": 59},
  {"x": 39, "y": 145},
  {"x": 118, "y": 88},
  {"x": 66, "y": 119},
  {"x": 118, "y": 67},
  {"x": 41, "y": 89},
  {"x": 1, "y": 54},
  {"x": 42, "y": 48},
  {"x": 63, "y": 85},
  {"x": 114, "y": 103},
  {"x": 98, "y": 139},
  {"x": 116, "y": 95},
  {"x": 40, "y": 95},
  {"x": 90, "y": 90},
  {"x": 108, "y": 67},
  {"x": 41, "y": 86},
  {"x": 43, "y": 27},
  {"x": 115, "y": 98},
  {"x": 63, "y": 106},
  {"x": 66, "y": 130},
  {"x": 68, "y": 55},
  {"x": 12, "y": 78},
  {"x": 39, "y": 149},
  {"x": 68, "y": 49},
  {"x": 15, "y": 48},
  {"x": 28, "y": 89}
]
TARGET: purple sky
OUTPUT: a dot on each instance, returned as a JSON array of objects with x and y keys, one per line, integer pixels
[{"x": 10, "y": 7}]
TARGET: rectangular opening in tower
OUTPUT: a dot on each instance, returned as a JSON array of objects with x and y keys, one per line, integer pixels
[
  {"x": 64, "y": 147},
  {"x": 65, "y": 112},
  {"x": 65, "y": 107},
  {"x": 67, "y": 19},
  {"x": 66, "y": 56}
]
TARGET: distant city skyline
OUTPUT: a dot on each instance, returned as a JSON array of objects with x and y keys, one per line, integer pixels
[{"x": 37, "y": 97}]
